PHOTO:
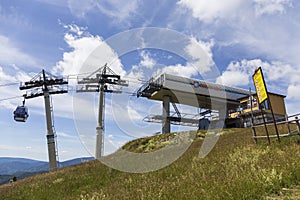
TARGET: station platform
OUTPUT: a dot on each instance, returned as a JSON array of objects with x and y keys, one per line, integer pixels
[{"x": 192, "y": 92}]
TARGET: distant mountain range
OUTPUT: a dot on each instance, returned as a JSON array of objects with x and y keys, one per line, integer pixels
[{"x": 22, "y": 167}]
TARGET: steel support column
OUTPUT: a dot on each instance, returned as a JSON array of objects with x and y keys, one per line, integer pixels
[{"x": 166, "y": 124}]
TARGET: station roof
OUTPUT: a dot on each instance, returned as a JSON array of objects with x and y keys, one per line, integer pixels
[{"x": 192, "y": 92}]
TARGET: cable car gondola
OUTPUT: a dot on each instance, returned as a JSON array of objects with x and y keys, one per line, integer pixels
[{"x": 21, "y": 113}]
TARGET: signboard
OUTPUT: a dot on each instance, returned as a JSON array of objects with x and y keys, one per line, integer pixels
[{"x": 260, "y": 85}]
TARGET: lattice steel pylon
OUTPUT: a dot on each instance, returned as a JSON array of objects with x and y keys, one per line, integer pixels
[
  {"x": 46, "y": 84},
  {"x": 101, "y": 81}
]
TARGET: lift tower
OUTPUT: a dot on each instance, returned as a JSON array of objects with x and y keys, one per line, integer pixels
[
  {"x": 102, "y": 81},
  {"x": 46, "y": 84}
]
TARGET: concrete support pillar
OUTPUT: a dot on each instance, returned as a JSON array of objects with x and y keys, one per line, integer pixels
[{"x": 166, "y": 124}]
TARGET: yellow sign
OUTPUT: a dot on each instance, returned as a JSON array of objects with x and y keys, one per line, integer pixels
[{"x": 260, "y": 86}]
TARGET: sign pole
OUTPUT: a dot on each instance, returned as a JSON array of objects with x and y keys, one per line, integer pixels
[
  {"x": 252, "y": 118},
  {"x": 263, "y": 96},
  {"x": 270, "y": 105},
  {"x": 264, "y": 120}
]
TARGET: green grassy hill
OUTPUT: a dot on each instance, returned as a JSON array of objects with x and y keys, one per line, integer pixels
[{"x": 236, "y": 168}]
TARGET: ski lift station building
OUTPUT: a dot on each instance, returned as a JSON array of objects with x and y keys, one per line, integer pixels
[{"x": 232, "y": 105}]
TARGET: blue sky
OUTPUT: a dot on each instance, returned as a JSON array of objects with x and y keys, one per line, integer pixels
[{"x": 235, "y": 36}]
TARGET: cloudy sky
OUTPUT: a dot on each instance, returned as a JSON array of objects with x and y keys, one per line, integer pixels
[{"x": 136, "y": 39}]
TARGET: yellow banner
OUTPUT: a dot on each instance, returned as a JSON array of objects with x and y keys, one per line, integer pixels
[{"x": 260, "y": 86}]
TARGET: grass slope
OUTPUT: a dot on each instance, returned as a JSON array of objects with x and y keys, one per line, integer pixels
[{"x": 236, "y": 168}]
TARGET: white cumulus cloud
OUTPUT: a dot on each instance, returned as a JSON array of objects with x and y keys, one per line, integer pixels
[
  {"x": 11, "y": 54},
  {"x": 293, "y": 91},
  {"x": 201, "y": 60},
  {"x": 88, "y": 53},
  {"x": 201, "y": 53},
  {"x": 209, "y": 11},
  {"x": 213, "y": 10},
  {"x": 8, "y": 76},
  {"x": 240, "y": 73},
  {"x": 147, "y": 61}
]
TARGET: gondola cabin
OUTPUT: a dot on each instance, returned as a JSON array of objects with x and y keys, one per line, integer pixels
[{"x": 21, "y": 114}]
